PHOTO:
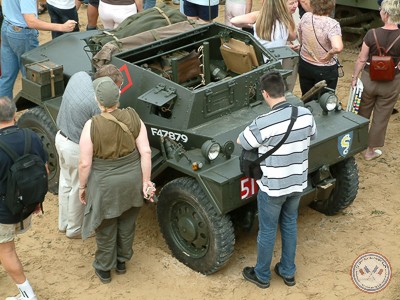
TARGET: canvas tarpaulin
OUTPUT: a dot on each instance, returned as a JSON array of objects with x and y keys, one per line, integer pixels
[
  {"x": 108, "y": 50},
  {"x": 152, "y": 18}
]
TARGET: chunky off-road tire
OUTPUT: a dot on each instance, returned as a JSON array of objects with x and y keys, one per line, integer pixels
[
  {"x": 40, "y": 122},
  {"x": 194, "y": 231},
  {"x": 346, "y": 174}
]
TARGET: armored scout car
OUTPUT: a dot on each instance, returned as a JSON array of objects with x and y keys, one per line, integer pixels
[{"x": 193, "y": 116}]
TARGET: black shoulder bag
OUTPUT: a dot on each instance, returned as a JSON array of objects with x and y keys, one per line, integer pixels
[{"x": 249, "y": 160}]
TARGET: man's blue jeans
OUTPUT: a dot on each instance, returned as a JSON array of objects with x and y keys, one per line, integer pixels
[
  {"x": 272, "y": 211},
  {"x": 13, "y": 45},
  {"x": 148, "y": 4}
]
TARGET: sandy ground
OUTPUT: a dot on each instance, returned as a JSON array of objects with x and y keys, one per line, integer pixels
[{"x": 59, "y": 268}]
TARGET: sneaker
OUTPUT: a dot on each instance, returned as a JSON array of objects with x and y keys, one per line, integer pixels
[
  {"x": 289, "y": 281},
  {"x": 121, "y": 268},
  {"x": 250, "y": 275},
  {"x": 19, "y": 297},
  {"x": 74, "y": 237},
  {"x": 104, "y": 276}
]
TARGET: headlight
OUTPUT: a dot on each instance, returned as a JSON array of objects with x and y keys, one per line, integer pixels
[
  {"x": 328, "y": 101},
  {"x": 210, "y": 150}
]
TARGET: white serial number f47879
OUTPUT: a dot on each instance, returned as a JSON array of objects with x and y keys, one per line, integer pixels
[{"x": 175, "y": 136}]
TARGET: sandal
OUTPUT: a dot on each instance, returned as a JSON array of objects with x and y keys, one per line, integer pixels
[
  {"x": 42, "y": 8},
  {"x": 376, "y": 154}
]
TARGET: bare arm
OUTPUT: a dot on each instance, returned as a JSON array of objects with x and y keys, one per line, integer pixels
[
  {"x": 292, "y": 34},
  {"x": 139, "y": 5},
  {"x": 249, "y": 5},
  {"x": 246, "y": 20},
  {"x": 360, "y": 63},
  {"x": 337, "y": 47},
  {"x": 143, "y": 146},
  {"x": 85, "y": 160},
  {"x": 36, "y": 23}
]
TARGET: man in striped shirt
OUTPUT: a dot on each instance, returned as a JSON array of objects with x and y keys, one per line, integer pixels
[{"x": 284, "y": 178}]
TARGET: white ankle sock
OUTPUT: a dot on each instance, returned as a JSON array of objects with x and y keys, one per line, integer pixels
[{"x": 26, "y": 290}]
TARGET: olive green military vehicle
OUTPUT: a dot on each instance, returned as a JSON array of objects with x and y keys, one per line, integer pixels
[
  {"x": 193, "y": 116},
  {"x": 356, "y": 17}
]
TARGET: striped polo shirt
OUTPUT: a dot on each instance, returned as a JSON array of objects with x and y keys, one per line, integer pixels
[{"x": 286, "y": 170}]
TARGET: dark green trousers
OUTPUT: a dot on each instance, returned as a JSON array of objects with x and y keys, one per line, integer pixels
[{"x": 114, "y": 239}]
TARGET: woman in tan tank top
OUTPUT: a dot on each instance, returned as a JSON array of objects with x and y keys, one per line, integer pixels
[{"x": 114, "y": 174}]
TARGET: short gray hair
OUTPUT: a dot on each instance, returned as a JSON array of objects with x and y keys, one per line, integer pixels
[
  {"x": 392, "y": 8},
  {"x": 7, "y": 109}
]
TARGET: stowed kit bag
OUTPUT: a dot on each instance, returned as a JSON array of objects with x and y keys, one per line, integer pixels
[
  {"x": 238, "y": 56},
  {"x": 382, "y": 67},
  {"x": 26, "y": 180},
  {"x": 249, "y": 159}
]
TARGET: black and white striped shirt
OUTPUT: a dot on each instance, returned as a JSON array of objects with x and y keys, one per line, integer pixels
[{"x": 285, "y": 171}]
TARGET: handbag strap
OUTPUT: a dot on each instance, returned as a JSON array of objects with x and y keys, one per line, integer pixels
[
  {"x": 315, "y": 34},
  {"x": 293, "y": 118},
  {"x": 379, "y": 47},
  {"x": 312, "y": 22},
  {"x": 125, "y": 128}
]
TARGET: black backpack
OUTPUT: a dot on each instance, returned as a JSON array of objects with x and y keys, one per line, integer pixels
[{"x": 27, "y": 182}]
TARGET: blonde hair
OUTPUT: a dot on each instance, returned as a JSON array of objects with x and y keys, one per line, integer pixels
[
  {"x": 272, "y": 11},
  {"x": 392, "y": 8}
]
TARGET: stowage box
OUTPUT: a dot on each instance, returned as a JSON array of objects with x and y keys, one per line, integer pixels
[
  {"x": 44, "y": 80},
  {"x": 42, "y": 72}
]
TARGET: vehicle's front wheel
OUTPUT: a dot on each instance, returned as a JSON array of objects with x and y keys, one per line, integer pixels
[
  {"x": 346, "y": 174},
  {"x": 39, "y": 121},
  {"x": 194, "y": 231}
]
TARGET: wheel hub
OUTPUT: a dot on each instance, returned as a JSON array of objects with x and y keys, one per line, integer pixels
[
  {"x": 187, "y": 229},
  {"x": 190, "y": 229}
]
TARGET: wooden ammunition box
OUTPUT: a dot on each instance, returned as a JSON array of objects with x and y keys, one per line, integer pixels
[
  {"x": 42, "y": 92},
  {"x": 43, "y": 71}
]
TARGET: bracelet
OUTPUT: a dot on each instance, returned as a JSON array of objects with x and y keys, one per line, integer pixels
[{"x": 82, "y": 188}]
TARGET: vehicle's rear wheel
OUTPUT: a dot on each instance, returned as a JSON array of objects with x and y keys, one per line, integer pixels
[
  {"x": 194, "y": 231},
  {"x": 346, "y": 174},
  {"x": 39, "y": 121}
]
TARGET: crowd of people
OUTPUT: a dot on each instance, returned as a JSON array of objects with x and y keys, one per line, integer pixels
[{"x": 99, "y": 144}]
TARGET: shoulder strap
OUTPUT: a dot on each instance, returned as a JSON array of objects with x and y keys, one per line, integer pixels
[
  {"x": 392, "y": 44},
  {"x": 28, "y": 140},
  {"x": 312, "y": 21},
  {"x": 10, "y": 152},
  {"x": 110, "y": 117},
  {"x": 125, "y": 128},
  {"x": 377, "y": 44},
  {"x": 292, "y": 120}
]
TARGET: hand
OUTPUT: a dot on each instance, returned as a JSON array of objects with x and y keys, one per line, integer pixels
[
  {"x": 326, "y": 58},
  {"x": 353, "y": 81},
  {"x": 38, "y": 209},
  {"x": 294, "y": 47},
  {"x": 149, "y": 190},
  {"x": 69, "y": 26},
  {"x": 82, "y": 195}
]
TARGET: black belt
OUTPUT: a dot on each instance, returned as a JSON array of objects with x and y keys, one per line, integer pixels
[
  {"x": 64, "y": 135},
  {"x": 15, "y": 27}
]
